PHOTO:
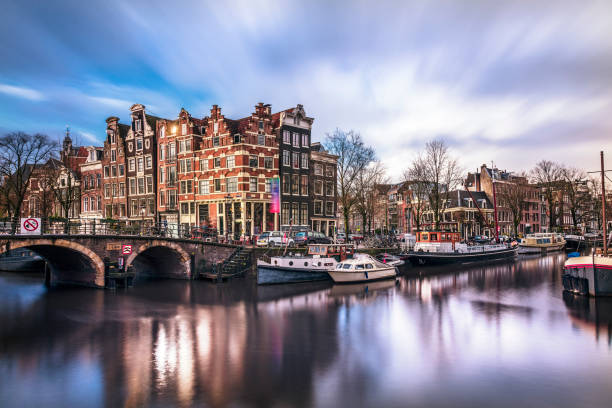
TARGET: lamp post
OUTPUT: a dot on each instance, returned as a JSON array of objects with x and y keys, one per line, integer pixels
[
  {"x": 195, "y": 218},
  {"x": 142, "y": 214},
  {"x": 228, "y": 198}
]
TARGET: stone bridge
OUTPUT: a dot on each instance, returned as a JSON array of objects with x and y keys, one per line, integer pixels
[{"x": 83, "y": 259}]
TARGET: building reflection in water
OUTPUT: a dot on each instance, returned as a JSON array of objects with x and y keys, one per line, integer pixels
[{"x": 495, "y": 329}]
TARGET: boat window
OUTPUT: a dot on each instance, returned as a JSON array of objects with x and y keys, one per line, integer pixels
[
  {"x": 290, "y": 263},
  {"x": 433, "y": 237},
  {"x": 424, "y": 236},
  {"x": 339, "y": 266},
  {"x": 346, "y": 266},
  {"x": 369, "y": 266},
  {"x": 319, "y": 264},
  {"x": 275, "y": 262},
  {"x": 360, "y": 267}
]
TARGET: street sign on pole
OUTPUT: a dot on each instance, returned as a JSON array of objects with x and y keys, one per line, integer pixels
[
  {"x": 30, "y": 226},
  {"x": 126, "y": 249}
]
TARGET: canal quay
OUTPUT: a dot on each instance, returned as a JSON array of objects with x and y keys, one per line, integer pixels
[{"x": 500, "y": 334}]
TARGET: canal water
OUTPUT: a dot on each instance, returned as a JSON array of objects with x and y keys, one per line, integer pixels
[{"x": 486, "y": 335}]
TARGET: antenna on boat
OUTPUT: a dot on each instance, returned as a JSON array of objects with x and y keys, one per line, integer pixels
[{"x": 603, "y": 205}]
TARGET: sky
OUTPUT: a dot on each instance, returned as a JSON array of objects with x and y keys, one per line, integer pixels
[{"x": 509, "y": 83}]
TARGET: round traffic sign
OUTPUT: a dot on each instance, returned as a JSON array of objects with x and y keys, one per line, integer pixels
[{"x": 30, "y": 224}]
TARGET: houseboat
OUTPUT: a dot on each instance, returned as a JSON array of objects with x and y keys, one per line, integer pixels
[
  {"x": 541, "y": 243},
  {"x": 588, "y": 275},
  {"x": 439, "y": 247},
  {"x": 314, "y": 266},
  {"x": 362, "y": 269}
]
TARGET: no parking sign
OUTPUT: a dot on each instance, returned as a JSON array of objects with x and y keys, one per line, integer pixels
[{"x": 30, "y": 226}]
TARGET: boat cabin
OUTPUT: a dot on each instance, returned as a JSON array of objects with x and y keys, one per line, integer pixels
[
  {"x": 338, "y": 251},
  {"x": 438, "y": 236}
]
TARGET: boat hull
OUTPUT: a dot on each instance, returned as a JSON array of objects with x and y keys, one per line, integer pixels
[
  {"x": 438, "y": 258},
  {"x": 588, "y": 275},
  {"x": 529, "y": 249},
  {"x": 362, "y": 276},
  {"x": 269, "y": 274},
  {"x": 22, "y": 264}
]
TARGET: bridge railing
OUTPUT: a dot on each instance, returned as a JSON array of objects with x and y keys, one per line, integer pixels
[{"x": 115, "y": 227}]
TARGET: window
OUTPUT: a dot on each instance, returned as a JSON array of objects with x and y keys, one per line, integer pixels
[
  {"x": 329, "y": 188},
  {"x": 294, "y": 213},
  {"x": 114, "y": 171},
  {"x": 296, "y": 140},
  {"x": 318, "y": 207},
  {"x": 286, "y": 137},
  {"x": 203, "y": 164},
  {"x": 172, "y": 198},
  {"x": 162, "y": 152},
  {"x": 115, "y": 190},
  {"x": 172, "y": 151},
  {"x": 231, "y": 184},
  {"x": 268, "y": 185},
  {"x": 286, "y": 158},
  {"x": 162, "y": 175},
  {"x": 121, "y": 189},
  {"x": 134, "y": 207},
  {"x": 185, "y": 208},
  {"x": 99, "y": 203},
  {"x": 318, "y": 170},
  {"x": 181, "y": 145},
  {"x": 204, "y": 185},
  {"x": 295, "y": 184},
  {"x": 148, "y": 162},
  {"x": 141, "y": 186},
  {"x": 286, "y": 184},
  {"x": 329, "y": 208},
  {"x": 151, "y": 206},
  {"x": 304, "y": 140},
  {"x": 85, "y": 204},
  {"x": 304, "y": 214},
  {"x": 121, "y": 170},
  {"x": 304, "y": 185},
  {"x": 217, "y": 184},
  {"x": 253, "y": 184},
  {"x": 162, "y": 131},
  {"x": 318, "y": 188},
  {"x": 137, "y": 125},
  {"x": 162, "y": 198},
  {"x": 304, "y": 160},
  {"x": 187, "y": 165},
  {"x": 261, "y": 126},
  {"x": 140, "y": 162},
  {"x": 149, "y": 184},
  {"x": 216, "y": 127},
  {"x": 261, "y": 140},
  {"x": 329, "y": 171},
  {"x": 181, "y": 165},
  {"x": 216, "y": 141},
  {"x": 106, "y": 172},
  {"x": 296, "y": 160},
  {"x": 98, "y": 180},
  {"x": 231, "y": 161},
  {"x": 285, "y": 214},
  {"x": 253, "y": 161},
  {"x": 139, "y": 144},
  {"x": 217, "y": 162},
  {"x": 131, "y": 163},
  {"x": 268, "y": 162},
  {"x": 171, "y": 175},
  {"x": 106, "y": 190},
  {"x": 184, "y": 129},
  {"x": 113, "y": 155},
  {"x": 237, "y": 138},
  {"x": 112, "y": 136},
  {"x": 132, "y": 186}
]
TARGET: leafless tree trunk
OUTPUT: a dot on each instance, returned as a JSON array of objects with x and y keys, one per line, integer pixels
[
  {"x": 513, "y": 196},
  {"x": 365, "y": 193},
  {"x": 353, "y": 157},
  {"x": 419, "y": 189},
  {"x": 548, "y": 174},
  {"x": 20, "y": 155},
  {"x": 574, "y": 187}
]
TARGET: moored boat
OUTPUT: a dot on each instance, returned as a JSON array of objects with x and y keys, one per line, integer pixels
[
  {"x": 588, "y": 275},
  {"x": 303, "y": 268},
  {"x": 436, "y": 247},
  {"x": 363, "y": 268},
  {"x": 390, "y": 259},
  {"x": 541, "y": 243},
  {"x": 21, "y": 260}
]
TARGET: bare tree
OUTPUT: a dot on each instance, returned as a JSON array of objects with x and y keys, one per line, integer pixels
[
  {"x": 365, "y": 191},
  {"x": 443, "y": 173},
  {"x": 575, "y": 188},
  {"x": 513, "y": 196},
  {"x": 353, "y": 158},
  {"x": 20, "y": 155},
  {"x": 419, "y": 188},
  {"x": 548, "y": 174}
]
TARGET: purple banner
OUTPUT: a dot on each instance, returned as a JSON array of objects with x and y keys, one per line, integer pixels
[{"x": 275, "y": 199}]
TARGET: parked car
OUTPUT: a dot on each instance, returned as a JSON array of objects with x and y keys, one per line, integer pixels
[
  {"x": 311, "y": 237},
  {"x": 274, "y": 238}
]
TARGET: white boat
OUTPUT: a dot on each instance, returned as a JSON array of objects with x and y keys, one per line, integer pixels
[
  {"x": 588, "y": 275},
  {"x": 541, "y": 243},
  {"x": 303, "y": 268},
  {"x": 363, "y": 268},
  {"x": 390, "y": 259}
]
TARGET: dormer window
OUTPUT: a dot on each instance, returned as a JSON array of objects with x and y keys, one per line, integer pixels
[
  {"x": 138, "y": 125},
  {"x": 138, "y": 144},
  {"x": 261, "y": 125},
  {"x": 111, "y": 135},
  {"x": 162, "y": 131},
  {"x": 184, "y": 129},
  {"x": 237, "y": 138}
]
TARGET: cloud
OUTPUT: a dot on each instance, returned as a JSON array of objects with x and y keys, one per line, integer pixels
[
  {"x": 90, "y": 137},
  {"x": 21, "y": 92}
]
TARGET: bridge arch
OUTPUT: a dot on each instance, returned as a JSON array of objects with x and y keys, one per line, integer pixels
[
  {"x": 160, "y": 258},
  {"x": 69, "y": 261}
]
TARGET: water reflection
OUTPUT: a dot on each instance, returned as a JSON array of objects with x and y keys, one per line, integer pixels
[{"x": 499, "y": 334}]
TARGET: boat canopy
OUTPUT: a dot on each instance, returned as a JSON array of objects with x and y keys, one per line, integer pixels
[
  {"x": 343, "y": 250},
  {"x": 438, "y": 236}
]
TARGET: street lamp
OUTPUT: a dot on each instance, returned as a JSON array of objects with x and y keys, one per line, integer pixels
[
  {"x": 228, "y": 198},
  {"x": 142, "y": 214}
]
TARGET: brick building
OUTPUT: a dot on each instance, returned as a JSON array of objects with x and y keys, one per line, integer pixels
[
  {"x": 323, "y": 190},
  {"x": 114, "y": 182},
  {"x": 293, "y": 128},
  {"x": 91, "y": 186}
]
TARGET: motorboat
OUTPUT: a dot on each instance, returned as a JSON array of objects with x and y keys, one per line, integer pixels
[
  {"x": 438, "y": 247},
  {"x": 390, "y": 259},
  {"x": 363, "y": 268},
  {"x": 293, "y": 268},
  {"x": 588, "y": 275},
  {"x": 21, "y": 260},
  {"x": 541, "y": 243}
]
